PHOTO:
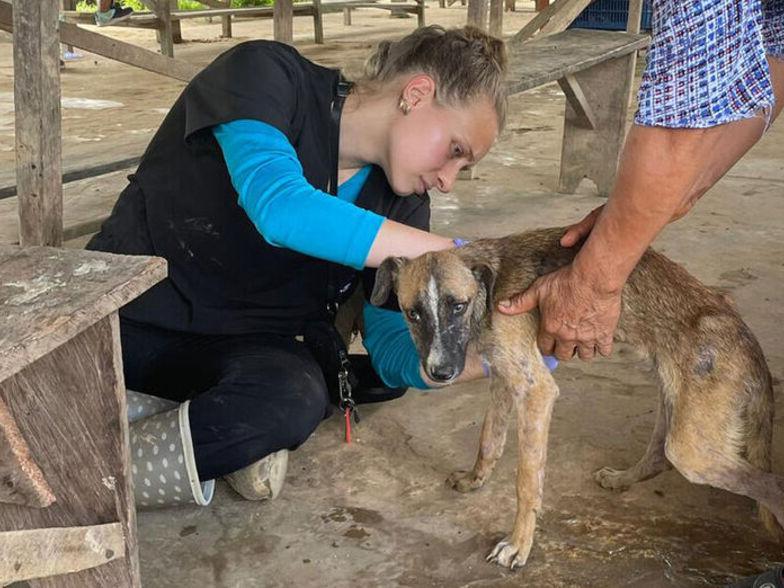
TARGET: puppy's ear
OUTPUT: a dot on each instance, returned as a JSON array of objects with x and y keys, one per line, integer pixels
[
  {"x": 484, "y": 274},
  {"x": 386, "y": 279}
]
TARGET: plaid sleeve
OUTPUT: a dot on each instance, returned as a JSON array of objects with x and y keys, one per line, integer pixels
[{"x": 707, "y": 62}]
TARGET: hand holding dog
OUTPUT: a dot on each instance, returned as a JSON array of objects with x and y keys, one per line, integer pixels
[{"x": 575, "y": 317}]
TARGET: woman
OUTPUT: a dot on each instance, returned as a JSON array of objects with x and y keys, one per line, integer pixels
[{"x": 272, "y": 187}]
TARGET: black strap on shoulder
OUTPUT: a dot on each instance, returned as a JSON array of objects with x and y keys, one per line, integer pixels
[{"x": 336, "y": 109}]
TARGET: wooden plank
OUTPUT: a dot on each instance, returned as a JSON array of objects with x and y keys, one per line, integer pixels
[
  {"x": 283, "y": 21},
  {"x": 38, "y": 553},
  {"x": 37, "y": 122},
  {"x": 552, "y": 19},
  {"x": 21, "y": 480},
  {"x": 112, "y": 48},
  {"x": 594, "y": 154},
  {"x": 634, "y": 21},
  {"x": 566, "y": 12},
  {"x": 83, "y": 173},
  {"x": 533, "y": 25},
  {"x": 549, "y": 58},
  {"x": 496, "y": 18},
  {"x": 583, "y": 112},
  {"x": 318, "y": 23},
  {"x": 477, "y": 14},
  {"x": 48, "y": 295},
  {"x": 69, "y": 406}
]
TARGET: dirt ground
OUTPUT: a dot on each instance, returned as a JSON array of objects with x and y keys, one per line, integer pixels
[{"x": 377, "y": 512}]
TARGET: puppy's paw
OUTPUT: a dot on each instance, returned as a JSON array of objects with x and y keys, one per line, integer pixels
[
  {"x": 611, "y": 479},
  {"x": 508, "y": 555},
  {"x": 464, "y": 481}
]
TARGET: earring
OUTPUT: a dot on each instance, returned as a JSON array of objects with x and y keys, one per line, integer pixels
[{"x": 404, "y": 106}]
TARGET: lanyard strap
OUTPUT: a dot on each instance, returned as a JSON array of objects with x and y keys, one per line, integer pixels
[{"x": 336, "y": 108}]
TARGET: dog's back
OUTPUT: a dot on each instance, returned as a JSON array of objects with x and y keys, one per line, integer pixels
[{"x": 708, "y": 361}]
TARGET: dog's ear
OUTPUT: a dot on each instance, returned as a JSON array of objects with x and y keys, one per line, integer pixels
[
  {"x": 484, "y": 274},
  {"x": 386, "y": 279}
]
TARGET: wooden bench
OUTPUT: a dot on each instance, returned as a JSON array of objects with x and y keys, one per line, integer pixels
[
  {"x": 416, "y": 8},
  {"x": 158, "y": 21},
  {"x": 595, "y": 70},
  {"x": 66, "y": 504}
]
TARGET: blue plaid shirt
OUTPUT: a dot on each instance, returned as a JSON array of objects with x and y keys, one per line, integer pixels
[{"x": 707, "y": 62}]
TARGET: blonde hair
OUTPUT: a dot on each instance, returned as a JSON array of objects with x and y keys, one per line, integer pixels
[{"x": 466, "y": 64}]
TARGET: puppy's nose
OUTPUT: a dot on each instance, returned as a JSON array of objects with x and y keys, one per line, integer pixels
[{"x": 443, "y": 373}]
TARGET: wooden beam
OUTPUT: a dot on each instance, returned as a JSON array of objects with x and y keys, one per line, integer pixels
[
  {"x": 582, "y": 109},
  {"x": 283, "y": 21},
  {"x": 555, "y": 18},
  {"x": 37, "y": 122},
  {"x": 39, "y": 553},
  {"x": 563, "y": 17},
  {"x": 634, "y": 22},
  {"x": 496, "y": 18},
  {"x": 112, "y": 48},
  {"x": 318, "y": 23},
  {"x": 477, "y": 13},
  {"x": 225, "y": 19}
]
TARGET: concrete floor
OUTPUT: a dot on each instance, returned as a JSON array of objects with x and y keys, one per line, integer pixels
[{"x": 377, "y": 512}]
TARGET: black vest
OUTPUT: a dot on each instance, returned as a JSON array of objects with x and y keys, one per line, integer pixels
[{"x": 224, "y": 278}]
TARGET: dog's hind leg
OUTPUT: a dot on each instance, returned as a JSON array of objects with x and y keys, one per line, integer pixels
[
  {"x": 650, "y": 465},
  {"x": 737, "y": 476},
  {"x": 493, "y": 439},
  {"x": 534, "y": 399},
  {"x": 714, "y": 455}
]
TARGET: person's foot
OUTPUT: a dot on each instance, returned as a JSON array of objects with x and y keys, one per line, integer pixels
[
  {"x": 771, "y": 579},
  {"x": 261, "y": 480},
  {"x": 112, "y": 16}
]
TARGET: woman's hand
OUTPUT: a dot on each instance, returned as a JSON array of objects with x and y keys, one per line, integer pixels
[{"x": 576, "y": 317}]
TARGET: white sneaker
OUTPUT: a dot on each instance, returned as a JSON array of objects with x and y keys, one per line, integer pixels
[{"x": 261, "y": 480}]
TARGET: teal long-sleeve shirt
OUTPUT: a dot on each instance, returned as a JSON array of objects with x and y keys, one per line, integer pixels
[{"x": 289, "y": 212}]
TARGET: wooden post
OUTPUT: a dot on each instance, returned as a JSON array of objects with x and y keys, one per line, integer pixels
[
  {"x": 176, "y": 28},
  {"x": 37, "y": 120},
  {"x": 594, "y": 152},
  {"x": 166, "y": 32},
  {"x": 496, "y": 17},
  {"x": 283, "y": 21},
  {"x": 541, "y": 5},
  {"x": 69, "y": 5},
  {"x": 477, "y": 13},
  {"x": 318, "y": 23}
]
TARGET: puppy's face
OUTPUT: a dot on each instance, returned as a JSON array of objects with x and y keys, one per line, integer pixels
[{"x": 443, "y": 300}]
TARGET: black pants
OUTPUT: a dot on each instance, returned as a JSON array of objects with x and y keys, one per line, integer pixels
[{"x": 250, "y": 395}]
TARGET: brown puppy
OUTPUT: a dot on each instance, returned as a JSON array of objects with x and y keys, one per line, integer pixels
[{"x": 715, "y": 417}]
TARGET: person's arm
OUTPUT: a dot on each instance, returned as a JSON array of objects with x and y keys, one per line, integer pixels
[
  {"x": 289, "y": 212},
  {"x": 663, "y": 172}
]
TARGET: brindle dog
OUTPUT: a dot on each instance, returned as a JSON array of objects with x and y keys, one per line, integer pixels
[{"x": 715, "y": 413}]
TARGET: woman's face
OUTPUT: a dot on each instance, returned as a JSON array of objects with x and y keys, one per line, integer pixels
[{"x": 433, "y": 142}]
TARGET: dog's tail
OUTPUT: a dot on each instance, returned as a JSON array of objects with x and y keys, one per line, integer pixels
[{"x": 759, "y": 438}]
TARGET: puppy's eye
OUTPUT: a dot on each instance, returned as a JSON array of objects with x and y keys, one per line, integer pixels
[
  {"x": 413, "y": 315},
  {"x": 459, "y": 307}
]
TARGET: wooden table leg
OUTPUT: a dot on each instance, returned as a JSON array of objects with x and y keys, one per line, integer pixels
[
  {"x": 594, "y": 153},
  {"x": 69, "y": 406},
  {"x": 283, "y": 21}
]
